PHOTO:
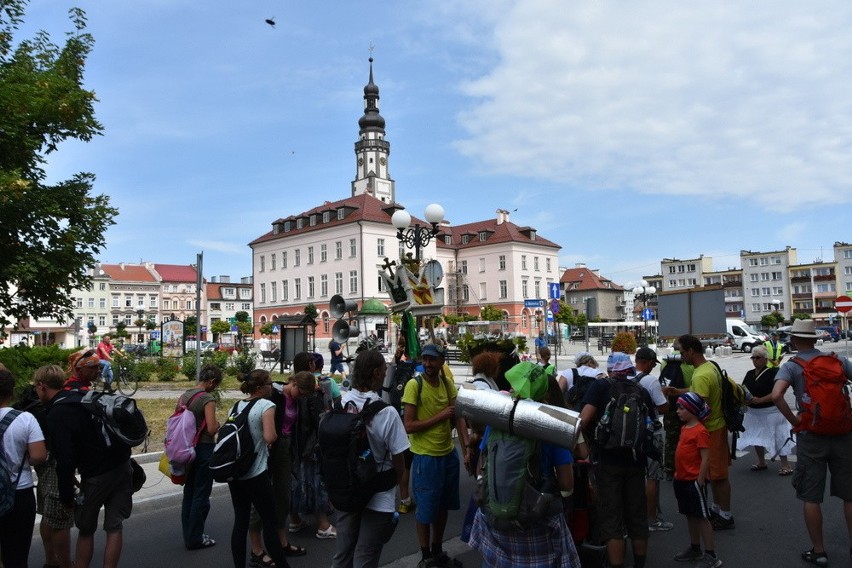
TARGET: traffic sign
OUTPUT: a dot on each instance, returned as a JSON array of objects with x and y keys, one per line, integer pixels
[
  {"x": 647, "y": 314},
  {"x": 553, "y": 289},
  {"x": 549, "y": 316},
  {"x": 275, "y": 329},
  {"x": 843, "y": 304},
  {"x": 554, "y": 306},
  {"x": 534, "y": 303}
]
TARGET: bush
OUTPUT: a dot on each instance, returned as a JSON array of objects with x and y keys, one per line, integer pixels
[
  {"x": 188, "y": 366},
  {"x": 244, "y": 362},
  {"x": 167, "y": 368},
  {"x": 218, "y": 358},
  {"x": 624, "y": 342},
  {"x": 22, "y": 361},
  {"x": 145, "y": 367}
]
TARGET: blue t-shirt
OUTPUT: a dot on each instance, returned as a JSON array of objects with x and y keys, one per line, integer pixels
[
  {"x": 551, "y": 456},
  {"x": 334, "y": 347}
]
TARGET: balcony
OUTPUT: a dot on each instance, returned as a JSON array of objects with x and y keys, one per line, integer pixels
[
  {"x": 823, "y": 277},
  {"x": 732, "y": 283},
  {"x": 823, "y": 309},
  {"x": 802, "y": 296},
  {"x": 802, "y": 311},
  {"x": 800, "y": 278}
]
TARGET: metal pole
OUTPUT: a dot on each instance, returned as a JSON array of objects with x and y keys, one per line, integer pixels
[{"x": 199, "y": 259}]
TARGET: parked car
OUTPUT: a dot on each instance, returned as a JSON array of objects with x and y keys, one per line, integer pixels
[
  {"x": 206, "y": 346},
  {"x": 832, "y": 330}
]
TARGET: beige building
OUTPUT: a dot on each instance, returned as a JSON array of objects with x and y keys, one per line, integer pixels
[{"x": 586, "y": 291}]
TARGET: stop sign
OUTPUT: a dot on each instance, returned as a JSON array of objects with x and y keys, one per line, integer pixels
[{"x": 843, "y": 304}]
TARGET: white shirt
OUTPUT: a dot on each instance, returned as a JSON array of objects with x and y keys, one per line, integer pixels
[
  {"x": 255, "y": 422},
  {"x": 652, "y": 384},
  {"x": 583, "y": 371},
  {"x": 387, "y": 438},
  {"x": 23, "y": 431}
]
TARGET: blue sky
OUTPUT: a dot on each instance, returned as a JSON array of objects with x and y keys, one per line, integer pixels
[{"x": 626, "y": 132}]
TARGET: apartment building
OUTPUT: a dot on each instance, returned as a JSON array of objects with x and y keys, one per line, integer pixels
[
  {"x": 684, "y": 274},
  {"x": 225, "y": 298},
  {"x": 586, "y": 291},
  {"x": 843, "y": 258},
  {"x": 731, "y": 281}
]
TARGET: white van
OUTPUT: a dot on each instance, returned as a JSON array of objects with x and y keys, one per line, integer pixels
[{"x": 744, "y": 336}]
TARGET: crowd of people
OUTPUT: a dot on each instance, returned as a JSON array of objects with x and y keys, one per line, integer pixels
[{"x": 612, "y": 465}]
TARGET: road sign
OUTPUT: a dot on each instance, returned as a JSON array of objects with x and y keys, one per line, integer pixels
[
  {"x": 647, "y": 314},
  {"x": 553, "y": 289},
  {"x": 155, "y": 335},
  {"x": 534, "y": 303},
  {"x": 234, "y": 328},
  {"x": 554, "y": 306},
  {"x": 843, "y": 304},
  {"x": 275, "y": 329},
  {"x": 549, "y": 315}
]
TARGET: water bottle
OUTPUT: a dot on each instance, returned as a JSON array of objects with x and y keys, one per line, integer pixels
[{"x": 365, "y": 454}]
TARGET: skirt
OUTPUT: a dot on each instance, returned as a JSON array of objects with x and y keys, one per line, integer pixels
[
  {"x": 768, "y": 428},
  {"x": 545, "y": 545}
]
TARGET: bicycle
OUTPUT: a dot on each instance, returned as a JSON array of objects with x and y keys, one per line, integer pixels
[{"x": 123, "y": 379}]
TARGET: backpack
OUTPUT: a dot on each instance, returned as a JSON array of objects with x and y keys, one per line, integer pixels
[
  {"x": 348, "y": 468},
  {"x": 182, "y": 433},
  {"x": 625, "y": 417},
  {"x": 7, "y": 486},
  {"x": 511, "y": 490},
  {"x": 825, "y": 402},
  {"x": 234, "y": 453},
  {"x": 121, "y": 421},
  {"x": 575, "y": 395},
  {"x": 732, "y": 402},
  {"x": 672, "y": 375}
]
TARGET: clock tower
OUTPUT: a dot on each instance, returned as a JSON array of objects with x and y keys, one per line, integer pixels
[{"x": 372, "y": 150}]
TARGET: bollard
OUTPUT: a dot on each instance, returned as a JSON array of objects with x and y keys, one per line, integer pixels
[{"x": 708, "y": 352}]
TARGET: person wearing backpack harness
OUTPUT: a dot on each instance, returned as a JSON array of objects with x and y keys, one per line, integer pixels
[
  {"x": 575, "y": 382},
  {"x": 429, "y": 416},
  {"x": 824, "y": 427},
  {"x": 362, "y": 534},
  {"x": 22, "y": 444},
  {"x": 80, "y": 365},
  {"x": 254, "y": 487},
  {"x": 199, "y": 479},
  {"x": 621, "y": 458},
  {"x": 675, "y": 380},
  {"x": 77, "y": 442}
]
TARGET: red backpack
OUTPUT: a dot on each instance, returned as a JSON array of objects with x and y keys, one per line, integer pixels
[{"x": 827, "y": 410}]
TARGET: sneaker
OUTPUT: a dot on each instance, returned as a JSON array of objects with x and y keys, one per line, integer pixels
[
  {"x": 708, "y": 561},
  {"x": 406, "y": 507},
  {"x": 689, "y": 555},
  {"x": 720, "y": 523},
  {"x": 658, "y": 525},
  {"x": 330, "y": 532},
  {"x": 820, "y": 559}
]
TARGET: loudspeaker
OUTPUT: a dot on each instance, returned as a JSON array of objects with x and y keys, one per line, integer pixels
[
  {"x": 342, "y": 331},
  {"x": 338, "y": 306}
]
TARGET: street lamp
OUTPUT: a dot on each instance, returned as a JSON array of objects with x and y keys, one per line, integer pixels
[
  {"x": 417, "y": 237},
  {"x": 644, "y": 292},
  {"x": 140, "y": 315}
]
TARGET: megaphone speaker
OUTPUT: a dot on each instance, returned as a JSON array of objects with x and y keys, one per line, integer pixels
[
  {"x": 338, "y": 306},
  {"x": 342, "y": 331}
]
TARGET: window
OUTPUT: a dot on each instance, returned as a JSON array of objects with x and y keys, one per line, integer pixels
[
  {"x": 262, "y": 261},
  {"x": 380, "y": 247},
  {"x": 115, "y": 320},
  {"x": 273, "y": 291},
  {"x": 102, "y": 286},
  {"x": 825, "y": 287},
  {"x": 535, "y": 264},
  {"x": 525, "y": 284},
  {"x": 246, "y": 306},
  {"x": 338, "y": 282},
  {"x": 691, "y": 282},
  {"x": 465, "y": 239},
  {"x": 764, "y": 261},
  {"x": 287, "y": 226},
  {"x": 547, "y": 264},
  {"x": 245, "y": 293},
  {"x": 313, "y": 220},
  {"x": 102, "y": 320},
  {"x": 776, "y": 276},
  {"x": 537, "y": 288},
  {"x": 482, "y": 265},
  {"x": 272, "y": 258},
  {"x": 523, "y": 262},
  {"x": 326, "y": 216},
  {"x": 284, "y": 259},
  {"x": 297, "y": 257},
  {"x": 753, "y": 277},
  {"x": 115, "y": 301},
  {"x": 482, "y": 291},
  {"x": 847, "y": 270},
  {"x": 681, "y": 268},
  {"x": 215, "y": 306},
  {"x": 755, "y": 292},
  {"x": 324, "y": 285},
  {"x": 310, "y": 255},
  {"x": 672, "y": 283},
  {"x": 755, "y": 307},
  {"x": 764, "y": 276},
  {"x": 90, "y": 302},
  {"x": 311, "y": 287},
  {"x": 482, "y": 236},
  {"x": 128, "y": 301},
  {"x": 285, "y": 290},
  {"x": 690, "y": 268},
  {"x": 340, "y": 214},
  {"x": 353, "y": 281},
  {"x": 465, "y": 293},
  {"x": 128, "y": 319},
  {"x": 672, "y": 270},
  {"x": 463, "y": 266},
  {"x": 102, "y": 303},
  {"x": 353, "y": 248},
  {"x": 300, "y": 223},
  {"x": 381, "y": 284},
  {"x": 765, "y": 291},
  {"x": 504, "y": 289},
  {"x": 263, "y": 293},
  {"x": 776, "y": 260},
  {"x": 847, "y": 253},
  {"x": 165, "y": 304},
  {"x": 777, "y": 290},
  {"x": 189, "y": 304},
  {"x": 338, "y": 250},
  {"x": 228, "y": 292},
  {"x": 152, "y": 301},
  {"x": 140, "y": 301},
  {"x": 448, "y": 239},
  {"x": 323, "y": 252},
  {"x": 501, "y": 262},
  {"x": 229, "y": 306},
  {"x": 297, "y": 288}
]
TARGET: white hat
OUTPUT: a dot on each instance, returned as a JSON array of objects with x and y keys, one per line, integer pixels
[{"x": 804, "y": 328}]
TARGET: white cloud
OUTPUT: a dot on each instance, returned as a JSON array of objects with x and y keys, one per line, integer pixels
[
  {"x": 219, "y": 246},
  {"x": 721, "y": 100}
]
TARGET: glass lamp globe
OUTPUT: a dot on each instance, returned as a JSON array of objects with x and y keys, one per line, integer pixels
[
  {"x": 434, "y": 213},
  {"x": 401, "y": 219}
]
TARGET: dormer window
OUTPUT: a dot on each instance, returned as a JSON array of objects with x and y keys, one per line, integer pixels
[
  {"x": 532, "y": 235},
  {"x": 313, "y": 220},
  {"x": 326, "y": 216},
  {"x": 465, "y": 239},
  {"x": 299, "y": 223},
  {"x": 448, "y": 239},
  {"x": 340, "y": 213},
  {"x": 286, "y": 226},
  {"x": 482, "y": 236}
]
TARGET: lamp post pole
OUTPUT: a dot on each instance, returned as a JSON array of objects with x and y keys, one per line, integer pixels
[
  {"x": 417, "y": 237},
  {"x": 644, "y": 292}
]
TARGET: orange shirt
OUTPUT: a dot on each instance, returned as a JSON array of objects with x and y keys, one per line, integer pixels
[{"x": 688, "y": 452}]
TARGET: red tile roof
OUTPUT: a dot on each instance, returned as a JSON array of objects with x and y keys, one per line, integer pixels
[
  {"x": 587, "y": 280},
  {"x": 128, "y": 272},
  {"x": 503, "y": 233},
  {"x": 176, "y": 272},
  {"x": 214, "y": 291}
]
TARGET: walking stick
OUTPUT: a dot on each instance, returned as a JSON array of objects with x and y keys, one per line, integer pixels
[{"x": 778, "y": 451}]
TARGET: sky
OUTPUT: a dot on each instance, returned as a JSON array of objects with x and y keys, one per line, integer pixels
[{"x": 624, "y": 132}]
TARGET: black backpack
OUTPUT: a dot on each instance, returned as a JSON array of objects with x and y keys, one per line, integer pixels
[
  {"x": 623, "y": 423},
  {"x": 348, "y": 467},
  {"x": 234, "y": 452},
  {"x": 672, "y": 375},
  {"x": 575, "y": 395},
  {"x": 120, "y": 420}
]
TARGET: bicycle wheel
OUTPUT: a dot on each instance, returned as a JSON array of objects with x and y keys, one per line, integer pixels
[{"x": 127, "y": 384}]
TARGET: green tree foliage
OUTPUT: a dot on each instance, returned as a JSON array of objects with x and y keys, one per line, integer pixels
[
  {"x": 190, "y": 326},
  {"x": 266, "y": 329},
  {"x": 219, "y": 327},
  {"x": 800, "y": 317},
  {"x": 121, "y": 330},
  {"x": 311, "y": 310},
  {"x": 490, "y": 313},
  {"x": 772, "y": 320},
  {"x": 50, "y": 233},
  {"x": 242, "y": 316}
]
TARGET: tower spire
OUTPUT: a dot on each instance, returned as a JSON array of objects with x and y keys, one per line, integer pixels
[{"x": 372, "y": 150}]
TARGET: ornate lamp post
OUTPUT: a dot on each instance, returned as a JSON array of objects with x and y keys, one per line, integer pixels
[
  {"x": 643, "y": 292},
  {"x": 417, "y": 237}
]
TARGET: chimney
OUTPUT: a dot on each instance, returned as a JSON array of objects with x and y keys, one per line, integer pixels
[
  {"x": 224, "y": 279},
  {"x": 213, "y": 279},
  {"x": 246, "y": 279},
  {"x": 580, "y": 265},
  {"x": 502, "y": 216}
]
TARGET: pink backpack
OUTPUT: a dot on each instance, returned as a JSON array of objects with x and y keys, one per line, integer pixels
[{"x": 182, "y": 434}]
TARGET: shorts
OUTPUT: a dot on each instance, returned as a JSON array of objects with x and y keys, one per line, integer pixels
[
  {"x": 691, "y": 498},
  {"x": 654, "y": 468},
  {"x": 111, "y": 490},
  {"x": 815, "y": 456},
  {"x": 720, "y": 454},
  {"x": 53, "y": 514},
  {"x": 336, "y": 368},
  {"x": 622, "y": 502},
  {"x": 435, "y": 480}
]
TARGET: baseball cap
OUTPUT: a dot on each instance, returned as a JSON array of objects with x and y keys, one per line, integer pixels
[
  {"x": 618, "y": 362},
  {"x": 432, "y": 350},
  {"x": 646, "y": 354}
]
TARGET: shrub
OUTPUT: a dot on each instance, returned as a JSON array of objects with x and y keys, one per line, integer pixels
[
  {"x": 624, "y": 342},
  {"x": 188, "y": 366},
  {"x": 145, "y": 367},
  {"x": 218, "y": 358},
  {"x": 244, "y": 362},
  {"x": 167, "y": 368},
  {"x": 22, "y": 361}
]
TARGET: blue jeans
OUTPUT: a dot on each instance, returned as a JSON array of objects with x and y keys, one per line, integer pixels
[
  {"x": 106, "y": 371},
  {"x": 196, "y": 496}
]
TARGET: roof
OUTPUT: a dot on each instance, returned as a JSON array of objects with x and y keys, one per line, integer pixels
[
  {"x": 504, "y": 232},
  {"x": 128, "y": 272},
  {"x": 363, "y": 207},
  {"x": 176, "y": 272},
  {"x": 587, "y": 280},
  {"x": 214, "y": 290}
]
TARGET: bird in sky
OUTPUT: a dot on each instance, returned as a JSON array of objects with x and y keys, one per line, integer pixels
[{"x": 271, "y": 21}]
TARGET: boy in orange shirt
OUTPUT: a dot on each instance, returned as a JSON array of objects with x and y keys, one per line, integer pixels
[{"x": 692, "y": 466}]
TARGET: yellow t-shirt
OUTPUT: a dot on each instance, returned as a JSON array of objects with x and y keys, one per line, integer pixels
[
  {"x": 437, "y": 440},
  {"x": 707, "y": 384}
]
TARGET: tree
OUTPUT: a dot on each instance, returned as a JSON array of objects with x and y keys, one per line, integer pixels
[
  {"x": 772, "y": 320},
  {"x": 50, "y": 233},
  {"x": 242, "y": 316},
  {"x": 219, "y": 327},
  {"x": 800, "y": 317},
  {"x": 490, "y": 313},
  {"x": 311, "y": 310},
  {"x": 266, "y": 329},
  {"x": 190, "y": 326}
]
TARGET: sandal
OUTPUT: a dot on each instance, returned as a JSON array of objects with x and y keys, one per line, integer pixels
[
  {"x": 257, "y": 560},
  {"x": 820, "y": 559},
  {"x": 206, "y": 542},
  {"x": 758, "y": 467},
  {"x": 293, "y": 550},
  {"x": 784, "y": 471}
]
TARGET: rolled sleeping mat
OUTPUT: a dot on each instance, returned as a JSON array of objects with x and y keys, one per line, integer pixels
[{"x": 526, "y": 418}]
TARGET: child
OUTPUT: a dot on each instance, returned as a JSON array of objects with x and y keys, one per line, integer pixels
[{"x": 692, "y": 466}]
